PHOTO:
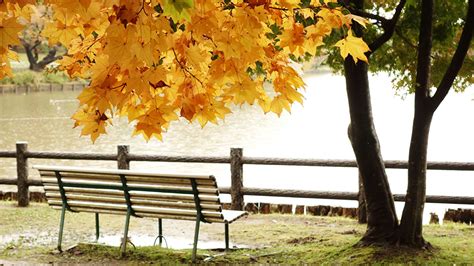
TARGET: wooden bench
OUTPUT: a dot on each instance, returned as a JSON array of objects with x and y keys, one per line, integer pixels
[{"x": 138, "y": 194}]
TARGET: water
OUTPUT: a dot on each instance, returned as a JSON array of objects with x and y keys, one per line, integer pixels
[{"x": 318, "y": 130}]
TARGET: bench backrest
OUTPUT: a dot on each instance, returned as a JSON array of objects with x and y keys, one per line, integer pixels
[{"x": 143, "y": 194}]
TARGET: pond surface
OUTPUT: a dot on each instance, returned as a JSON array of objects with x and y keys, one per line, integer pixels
[{"x": 316, "y": 131}]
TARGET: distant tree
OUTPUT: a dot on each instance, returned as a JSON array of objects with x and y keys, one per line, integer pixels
[{"x": 34, "y": 43}]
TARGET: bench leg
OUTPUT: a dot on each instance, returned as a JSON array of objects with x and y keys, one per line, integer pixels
[
  {"x": 226, "y": 226},
  {"x": 61, "y": 227},
  {"x": 125, "y": 234},
  {"x": 97, "y": 227},
  {"x": 196, "y": 237},
  {"x": 160, "y": 231}
]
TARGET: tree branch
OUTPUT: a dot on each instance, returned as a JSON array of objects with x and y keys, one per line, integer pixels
[
  {"x": 405, "y": 39},
  {"x": 457, "y": 60},
  {"x": 389, "y": 28},
  {"x": 37, "y": 43},
  {"x": 368, "y": 15}
]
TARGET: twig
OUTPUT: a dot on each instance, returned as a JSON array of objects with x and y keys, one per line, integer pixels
[{"x": 185, "y": 69}]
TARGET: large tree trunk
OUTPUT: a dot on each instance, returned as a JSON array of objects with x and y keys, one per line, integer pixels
[{"x": 382, "y": 223}]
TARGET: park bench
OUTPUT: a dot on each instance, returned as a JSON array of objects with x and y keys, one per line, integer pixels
[{"x": 138, "y": 194}]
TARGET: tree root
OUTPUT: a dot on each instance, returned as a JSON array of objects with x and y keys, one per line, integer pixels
[{"x": 393, "y": 240}]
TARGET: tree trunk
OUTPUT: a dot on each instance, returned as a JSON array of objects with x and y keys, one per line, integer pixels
[
  {"x": 412, "y": 219},
  {"x": 382, "y": 222},
  {"x": 411, "y": 225},
  {"x": 33, "y": 59}
]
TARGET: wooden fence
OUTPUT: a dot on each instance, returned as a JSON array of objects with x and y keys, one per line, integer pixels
[
  {"x": 19, "y": 89},
  {"x": 123, "y": 157}
]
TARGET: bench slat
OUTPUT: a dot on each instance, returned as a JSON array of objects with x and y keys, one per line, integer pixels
[
  {"x": 186, "y": 205},
  {"x": 164, "y": 216},
  {"x": 171, "y": 211},
  {"x": 117, "y": 199},
  {"x": 178, "y": 197},
  {"x": 141, "y": 187},
  {"x": 135, "y": 195},
  {"x": 185, "y": 184},
  {"x": 86, "y": 191},
  {"x": 153, "y": 180},
  {"x": 96, "y": 198},
  {"x": 91, "y": 210},
  {"x": 66, "y": 170},
  {"x": 138, "y": 179},
  {"x": 82, "y": 176},
  {"x": 95, "y": 205},
  {"x": 89, "y": 198}
]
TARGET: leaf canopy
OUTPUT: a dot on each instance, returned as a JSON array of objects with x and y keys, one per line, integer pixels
[{"x": 155, "y": 61}]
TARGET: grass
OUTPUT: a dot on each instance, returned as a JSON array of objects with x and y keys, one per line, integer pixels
[
  {"x": 33, "y": 78},
  {"x": 271, "y": 239}
]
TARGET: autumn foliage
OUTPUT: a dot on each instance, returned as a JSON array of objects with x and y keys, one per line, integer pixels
[{"x": 154, "y": 61}]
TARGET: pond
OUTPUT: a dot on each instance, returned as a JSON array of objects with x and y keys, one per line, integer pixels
[{"x": 316, "y": 131}]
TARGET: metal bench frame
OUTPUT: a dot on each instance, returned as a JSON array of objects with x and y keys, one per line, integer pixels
[{"x": 130, "y": 212}]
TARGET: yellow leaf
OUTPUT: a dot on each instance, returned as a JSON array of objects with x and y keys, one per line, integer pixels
[
  {"x": 9, "y": 29},
  {"x": 278, "y": 104},
  {"x": 362, "y": 21},
  {"x": 354, "y": 46},
  {"x": 290, "y": 4}
]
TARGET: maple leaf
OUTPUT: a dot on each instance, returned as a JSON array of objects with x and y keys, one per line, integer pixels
[
  {"x": 293, "y": 37},
  {"x": 278, "y": 104},
  {"x": 197, "y": 57},
  {"x": 334, "y": 17},
  {"x": 354, "y": 46},
  {"x": 9, "y": 29},
  {"x": 290, "y": 4},
  {"x": 63, "y": 29}
]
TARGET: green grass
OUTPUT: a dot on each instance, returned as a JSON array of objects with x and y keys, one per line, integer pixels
[{"x": 270, "y": 239}]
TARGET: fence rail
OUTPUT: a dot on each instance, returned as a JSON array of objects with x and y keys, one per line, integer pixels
[
  {"x": 236, "y": 160},
  {"x": 15, "y": 89}
]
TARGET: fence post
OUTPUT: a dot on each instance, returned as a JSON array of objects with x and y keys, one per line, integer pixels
[
  {"x": 122, "y": 157},
  {"x": 22, "y": 174},
  {"x": 362, "y": 210},
  {"x": 237, "y": 182}
]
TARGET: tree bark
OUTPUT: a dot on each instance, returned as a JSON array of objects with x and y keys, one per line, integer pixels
[
  {"x": 411, "y": 224},
  {"x": 362, "y": 209}
]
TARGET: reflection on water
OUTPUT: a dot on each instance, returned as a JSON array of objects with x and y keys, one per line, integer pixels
[{"x": 316, "y": 131}]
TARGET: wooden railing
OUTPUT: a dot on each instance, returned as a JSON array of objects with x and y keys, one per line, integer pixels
[
  {"x": 236, "y": 161},
  {"x": 17, "y": 89}
]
